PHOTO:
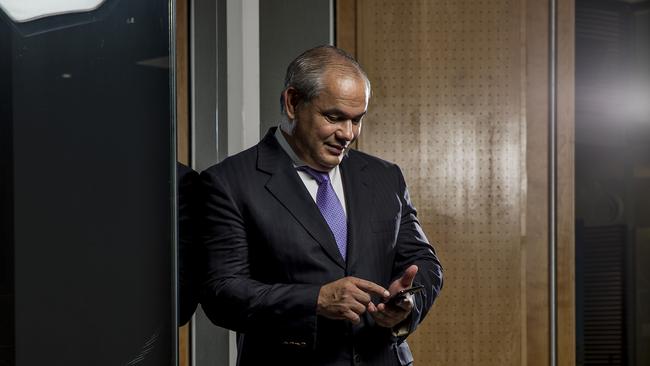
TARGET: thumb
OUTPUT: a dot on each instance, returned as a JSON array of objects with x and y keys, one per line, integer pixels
[{"x": 408, "y": 276}]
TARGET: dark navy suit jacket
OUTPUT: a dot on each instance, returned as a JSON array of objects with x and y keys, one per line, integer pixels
[{"x": 269, "y": 250}]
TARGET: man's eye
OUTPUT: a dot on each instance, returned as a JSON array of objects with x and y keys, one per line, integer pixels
[
  {"x": 336, "y": 118},
  {"x": 332, "y": 117}
]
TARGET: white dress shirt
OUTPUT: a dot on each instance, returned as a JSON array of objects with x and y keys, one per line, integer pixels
[{"x": 309, "y": 181}]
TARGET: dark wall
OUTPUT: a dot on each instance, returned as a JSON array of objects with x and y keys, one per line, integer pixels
[
  {"x": 287, "y": 28},
  {"x": 612, "y": 185},
  {"x": 88, "y": 126},
  {"x": 6, "y": 203}
]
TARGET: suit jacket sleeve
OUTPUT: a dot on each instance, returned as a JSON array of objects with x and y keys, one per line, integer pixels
[
  {"x": 188, "y": 255},
  {"x": 232, "y": 299},
  {"x": 414, "y": 248}
]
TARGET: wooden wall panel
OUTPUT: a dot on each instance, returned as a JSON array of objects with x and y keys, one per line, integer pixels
[
  {"x": 460, "y": 101},
  {"x": 346, "y": 22},
  {"x": 566, "y": 184},
  {"x": 536, "y": 234},
  {"x": 447, "y": 106},
  {"x": 182, "y": 82},
  {"x": 182, "y": 129}
]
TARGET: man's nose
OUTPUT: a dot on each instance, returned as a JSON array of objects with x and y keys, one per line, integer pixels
[{"x": 346, "y": 131}]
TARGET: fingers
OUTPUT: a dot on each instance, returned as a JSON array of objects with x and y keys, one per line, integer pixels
[
  {"x": 352, "y": 317},
  {"x": 404, "y": 305},
  {"x": 408, "y": 276},
  {"x": 390, "y": 316},
  {"x": 357, "y": 288},
  {"x": 371, "y": 287},
  {"x": 387, "y": 318},
  {"x": 371, "y": 307},
  {"x": 407, "y": 304},
  {"x": 347, "y": 298},
  {"x": 358, "y": 294},
  {"x": 357, "y": 307}
]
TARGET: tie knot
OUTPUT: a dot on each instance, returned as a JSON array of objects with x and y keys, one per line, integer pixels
[{"x": 321, "y": 177}]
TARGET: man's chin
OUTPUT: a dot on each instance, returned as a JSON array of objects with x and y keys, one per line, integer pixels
[
  {"x": 333, "y": 164},
  {"x": 330, "y": 164}
]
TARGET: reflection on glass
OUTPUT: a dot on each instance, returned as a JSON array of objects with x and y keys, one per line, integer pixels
[
  {"x": 85, "y": 102},
  {"x": 22, "y": 11},
  {"x": 612, "y": 182}
]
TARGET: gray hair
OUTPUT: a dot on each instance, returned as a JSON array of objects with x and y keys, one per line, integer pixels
[{"x": 305, "y": 72}]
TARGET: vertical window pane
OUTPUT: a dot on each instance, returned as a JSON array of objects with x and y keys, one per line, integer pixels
[{"x": 612, "y": 182}]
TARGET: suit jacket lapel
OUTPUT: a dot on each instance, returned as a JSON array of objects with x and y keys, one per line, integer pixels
[
  {"x": 285, "y": 185},
  {"x": 358, "y": 199}
]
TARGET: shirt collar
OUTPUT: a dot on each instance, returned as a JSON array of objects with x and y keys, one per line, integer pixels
[
  {"x": 297, "y": 162},
  {"x": 279, "y": 136}
]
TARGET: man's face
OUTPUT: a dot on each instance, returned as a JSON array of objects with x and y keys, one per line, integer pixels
[{"x": 325, "y": 127}]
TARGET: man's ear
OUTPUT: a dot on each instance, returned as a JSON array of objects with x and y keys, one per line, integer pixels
[{"x": 291, "y": 102}]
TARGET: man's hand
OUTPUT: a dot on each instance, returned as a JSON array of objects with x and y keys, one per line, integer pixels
[
  {"x": 347, "y": 298},
  {"x": 390, "y": 316}
]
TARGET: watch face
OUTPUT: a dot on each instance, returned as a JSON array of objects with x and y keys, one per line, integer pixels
[{"x": 24, "y": 11}]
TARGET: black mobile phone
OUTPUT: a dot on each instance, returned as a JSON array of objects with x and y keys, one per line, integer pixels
[{"x": 401, "y": 296}]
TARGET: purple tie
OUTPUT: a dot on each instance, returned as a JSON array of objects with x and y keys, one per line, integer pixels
[{"x": 330, "y": 207}]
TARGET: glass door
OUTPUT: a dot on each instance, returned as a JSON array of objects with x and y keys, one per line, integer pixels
[{"x": 87, "y": 183}]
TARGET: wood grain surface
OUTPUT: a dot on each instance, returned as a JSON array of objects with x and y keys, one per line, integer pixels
[{"x": 460, "y": 102}]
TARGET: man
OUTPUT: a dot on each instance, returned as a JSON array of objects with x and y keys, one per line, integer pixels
[{"x": 306, "y": 238}]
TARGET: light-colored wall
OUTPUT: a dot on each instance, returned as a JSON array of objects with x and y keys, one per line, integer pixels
[
  {"x": 243, "y": 60},
  {"x": 241, "y": 50}
]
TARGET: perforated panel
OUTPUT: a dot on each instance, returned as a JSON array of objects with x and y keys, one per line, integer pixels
[{"x": 447, "y": 107}]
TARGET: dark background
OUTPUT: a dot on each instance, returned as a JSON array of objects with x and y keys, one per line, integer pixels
[
  {"x": 86, "y": 182},
  {"x": 612, "y": 186}
]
